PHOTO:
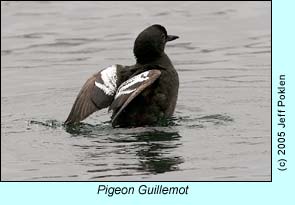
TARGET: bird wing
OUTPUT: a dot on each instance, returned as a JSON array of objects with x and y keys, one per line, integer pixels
[
  {"x": 131, "y": 88},
  {"x": 98, "y": 92}
]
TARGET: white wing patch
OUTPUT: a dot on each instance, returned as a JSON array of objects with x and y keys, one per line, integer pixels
[
  {"x": 123, "y": 89},
  {"x": 124, "y": 92},
  {"x": 109, "y": 78}
]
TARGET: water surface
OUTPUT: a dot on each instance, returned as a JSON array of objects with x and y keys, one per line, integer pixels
[{"x": 221, "y": 127}]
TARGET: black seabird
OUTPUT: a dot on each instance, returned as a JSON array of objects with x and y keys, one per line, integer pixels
[{"x": 138, "y": 95}]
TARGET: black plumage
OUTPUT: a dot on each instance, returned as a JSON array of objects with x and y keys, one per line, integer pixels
[{"x": 138, "y": 95}]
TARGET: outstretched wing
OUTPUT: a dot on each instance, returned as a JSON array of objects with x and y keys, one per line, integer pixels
[
  {"x": 132, "y": 88},
  {"x": 98, "y": 92}
]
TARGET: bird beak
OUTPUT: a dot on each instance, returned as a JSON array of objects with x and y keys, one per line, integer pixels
[{"x": 171, "y": 37}]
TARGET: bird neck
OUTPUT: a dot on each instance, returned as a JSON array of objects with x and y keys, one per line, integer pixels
[{"x": 162, "y": 61}]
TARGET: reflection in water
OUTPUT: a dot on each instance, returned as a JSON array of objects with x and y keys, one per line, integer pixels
[
  {"x": 152, "y": 147},
  {"x": 112, "y": 152},
  {"x": 154, "y": 155},
  {"x": 109, "y": 152}
]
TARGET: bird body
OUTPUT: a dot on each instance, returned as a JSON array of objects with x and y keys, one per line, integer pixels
[{"x": 138, "y": 95}]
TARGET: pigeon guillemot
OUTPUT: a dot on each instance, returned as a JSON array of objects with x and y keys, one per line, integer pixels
[{"x": 138, "y": 95}]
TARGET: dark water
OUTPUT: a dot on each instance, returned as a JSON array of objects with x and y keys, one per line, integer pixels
[{"x": 221, "y": 127}]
